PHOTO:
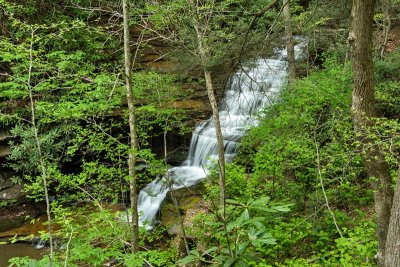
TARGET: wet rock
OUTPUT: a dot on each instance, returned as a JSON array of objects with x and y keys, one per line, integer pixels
[
  {"x": 190, "y": 104},
  {"x": 200, "y": 206},
  {"x": 177, "y": 156}
]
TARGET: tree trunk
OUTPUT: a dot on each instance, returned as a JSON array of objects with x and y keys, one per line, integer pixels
[
  {"x": 220, "y": 140},
  {"x": 43, "y": 168},
  {"x": 204, "y": 56},
  {"x": 289, "y": 41},
  {"x": 392, "y": 252},
  {"x": 363, "y": 111},
  {"x": 132, "y": 131},
  {"x": 204, "y": 52}
]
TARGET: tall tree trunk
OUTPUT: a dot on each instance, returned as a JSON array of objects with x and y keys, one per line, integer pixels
[
  {"x": 220, "y": 140},
  {"x": 204, "y": 57},
  {"x": 392, "y": 252},
  {"x": 289, "y": 41},
  {"x": 132, "y": 130},
  {"x": 204, "y": 53},
  {"x": 363, "y": 111}
]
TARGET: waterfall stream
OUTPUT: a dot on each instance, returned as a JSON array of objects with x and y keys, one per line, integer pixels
[{"x": 248, "y": 91}]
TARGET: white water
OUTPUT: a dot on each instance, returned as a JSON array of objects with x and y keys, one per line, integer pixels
[{"x": 248, "y": 91}]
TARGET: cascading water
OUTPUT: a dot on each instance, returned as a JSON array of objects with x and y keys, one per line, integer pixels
[{"x": 248, "y": 91}]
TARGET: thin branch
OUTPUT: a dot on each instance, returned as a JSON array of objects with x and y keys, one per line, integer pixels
[{"x": 322, "y": 186}]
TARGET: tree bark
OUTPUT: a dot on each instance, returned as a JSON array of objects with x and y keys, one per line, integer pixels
[
  {"x": 289, "y": 41},
  {"x": 204, "y": 53},
  {"x": 132, "y": 131},
  {"x": 392, "y": 252},
  {"x": 204, "y": 57},
  {"x": 363, "y": 111},
  {"x": 220, "y": 140}
]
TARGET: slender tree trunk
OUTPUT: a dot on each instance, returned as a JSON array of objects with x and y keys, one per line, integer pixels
[
  {"x": 39, "y": 148},
  {"x": 392, "y": 252},
  {"x": 220, "y": 140},
  {"x": 363, "y": 111},
  {"x": 289, "y": 41},
  {"x": 387, "y": 24},
  {"x": 132, "y": 130},
  {"x": 204, "y": 56}
]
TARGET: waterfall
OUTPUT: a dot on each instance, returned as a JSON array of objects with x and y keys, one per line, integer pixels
[{"x": 249, "y": 90}]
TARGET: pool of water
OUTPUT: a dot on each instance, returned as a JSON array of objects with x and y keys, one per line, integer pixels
[{"x": 18, "y": 250}]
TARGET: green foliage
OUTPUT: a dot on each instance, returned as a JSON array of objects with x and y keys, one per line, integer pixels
[
  {"x": 75, "y": 89},
  {"x": 238, "y": 239},
  {"x": 388, "y": 86},
  {"x": 310, "y": 121},
  {"x": 313, "y": 112},
  {"x": 81, "y": 117},
  {"x": 27, "y": 262},
  {"x": 95, "y": 235},
  {"x": 356, "y": 249},
  {"x": 154, "y": 257}
]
